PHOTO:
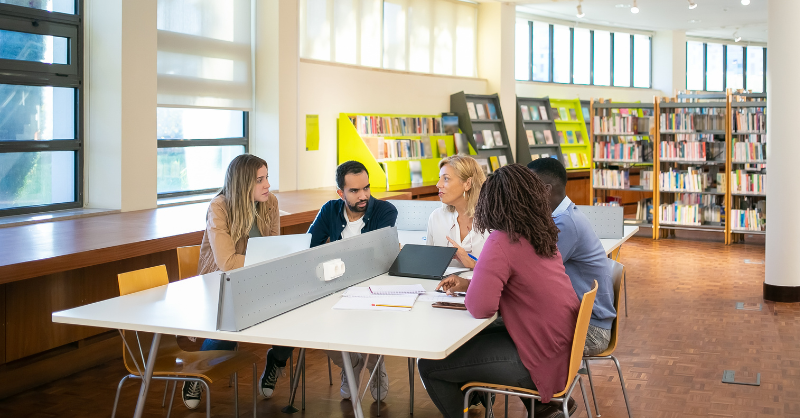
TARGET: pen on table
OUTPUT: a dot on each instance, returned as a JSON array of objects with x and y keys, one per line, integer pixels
[
  {"x": 459, "y": 294},
  {"x": 392, "y": 306}
]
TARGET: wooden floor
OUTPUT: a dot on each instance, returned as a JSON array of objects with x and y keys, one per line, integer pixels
[{"x": 682, "y": 331}]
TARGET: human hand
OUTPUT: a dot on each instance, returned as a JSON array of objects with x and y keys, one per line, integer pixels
[
  {"x": 461, "y": 255},
  {"x": 453, "y": 283}
]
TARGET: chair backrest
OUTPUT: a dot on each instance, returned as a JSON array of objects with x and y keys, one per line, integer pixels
[
  {"x": 606, "y": 221},
  {"x": 618, "y": 278},
  {"x": 188, "y": 257},
  {"x": 579, "y": 339},
  {"x": 412, "y": 215},
  {"x": 132, "y": 282}
]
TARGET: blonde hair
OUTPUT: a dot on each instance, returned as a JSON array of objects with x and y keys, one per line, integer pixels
[
  {"x": 240, "y": 180},
  {"x": 466, "y": 168}
]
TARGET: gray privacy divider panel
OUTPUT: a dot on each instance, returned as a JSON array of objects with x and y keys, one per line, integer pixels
[
  {"x": 606, "y": 221},
  {"x": 251, "y": 295},
  {"x": 412, "y": 215}
]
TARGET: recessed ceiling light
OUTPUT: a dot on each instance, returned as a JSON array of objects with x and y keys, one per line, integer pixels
[
  {"x": 580, "y": 11},
  {"x": 695, "y": 21},
  {"x": 736, "y": 36},
  {"x": 692, "y": 4},
  {"x": 634, "y": 8},
  {"x": 745, "y": 2},
  {"x": 622, "y": 6}
]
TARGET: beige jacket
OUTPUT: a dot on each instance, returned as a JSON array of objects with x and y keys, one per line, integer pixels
[{"x": 218, "y": 251}]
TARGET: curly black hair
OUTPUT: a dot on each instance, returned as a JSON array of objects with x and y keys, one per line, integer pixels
[{"x": 515, "y": 201}]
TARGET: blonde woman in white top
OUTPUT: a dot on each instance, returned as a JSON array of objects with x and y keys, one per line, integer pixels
[{"x": 460, "y": 181}]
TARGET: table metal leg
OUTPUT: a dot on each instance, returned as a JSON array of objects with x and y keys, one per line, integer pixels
[
  {"x": 353, "y": 383},
  {"x": 148, "y": 376},
  {"x": 411, "y": 363},
  {"x": 290, "y": 409}
]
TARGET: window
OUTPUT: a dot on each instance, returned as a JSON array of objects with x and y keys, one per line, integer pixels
[
  {"x": 41, "y": 139},
  {"x": 561, "y": 54},
  {"x": 426, "y": 36},
  {"x": 717, "y": 67}
]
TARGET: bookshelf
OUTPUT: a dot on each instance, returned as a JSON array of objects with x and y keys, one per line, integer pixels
[
  {"x": 747, "y": 167},
  {"x": 576, "y": 154},
  {"x": 476, "y": 121},
  {"x": 691, "y": 164},
  {"x": 533, "y": 120},
  {"x": 361, "y": 141},
  {"x": 622, "y": 157}
]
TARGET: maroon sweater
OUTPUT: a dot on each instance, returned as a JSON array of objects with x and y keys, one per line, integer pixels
[{"x": 537, "y": 302}]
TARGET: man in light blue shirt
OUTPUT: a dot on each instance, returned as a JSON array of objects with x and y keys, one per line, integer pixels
[{"x": 582, "y": 253}]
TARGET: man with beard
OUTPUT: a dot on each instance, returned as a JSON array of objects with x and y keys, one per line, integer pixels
[{"x": 354, "y": 213}]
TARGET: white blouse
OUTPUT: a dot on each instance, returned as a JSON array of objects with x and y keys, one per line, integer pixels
[{"x": 443, "y": 223}]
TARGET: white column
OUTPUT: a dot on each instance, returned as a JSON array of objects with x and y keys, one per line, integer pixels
[
  {"x": 669, "y": 61},
  {"x": 496, "y": 59},
  {"x": 275, "y": 116},
  {"x": 783, "y": 149},
  {"x": 120, "y": 111}
]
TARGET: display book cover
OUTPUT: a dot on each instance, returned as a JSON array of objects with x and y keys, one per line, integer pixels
[{"x": 422, "y": 261}]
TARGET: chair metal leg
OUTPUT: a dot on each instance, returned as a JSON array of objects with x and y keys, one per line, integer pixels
[
  {"x": 591, "y": 386},
  {"x": 330, "y": 376},
  {"x": 294, "y": 380},
  {"x": 488, "y": 410},
  {"x": 235, "y": 394},
  {"x": 116, "y": 398},
  {"x": 208, "y": 398},
  {"x": 622, "y": 382},
  {"x": 506, "y": 412},
  {"x": 303, "y": 383},
  {"x": 255, "y": 391},
  {"x": 171, "y": 397},
  {"x": 164, "y": 400},
  {"x": 378, "y": 371},
  {"x": 466, "y": 401},
  {"x": 585, "y": 400},
  {"x": 411, "y": 364}
]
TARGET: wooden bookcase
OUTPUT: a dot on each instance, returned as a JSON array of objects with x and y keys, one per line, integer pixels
[
  {"x": 536, "y": 125},
  {"x": 748, "y": 160},
  {"x": 576, "y": 124},
  {"x": 469, "y": 126},
  {"x": 621, "y": 139}
]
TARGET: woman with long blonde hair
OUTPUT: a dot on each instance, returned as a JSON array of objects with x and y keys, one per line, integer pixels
[
  {"x": 243, "y": 209},
  {"x": 460, "y": 182}
]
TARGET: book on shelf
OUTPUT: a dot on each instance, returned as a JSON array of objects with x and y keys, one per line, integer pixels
[
  {"x": 481, "y": 109},
  {"x": 526, "y": 113},
  {"x": 399, "y": 149},
  {"x": 743, "y": 182},
  {"x": 535, "y": 157},
  {"x": 462, "y": 145},
  {"x": 554, "y": 114},
  {"x": 611, "y": 179},
  {"x": 416, "y": 171},
  {"x": 502, "y": 160},
  {"x": 471, "y": 110},
  {"x": 539, "y": 136},
  {"x": 585, "y": 111},
  {"x": 426, "y": 147},
  {"x": 750, "y": 217},
  {"x": 562, "y": 113},
  {"x": 560, "y": 137},
  {"x": 702, "y": 119},
  {"x": 744, "y": 151},
  {"x": 646, "y": 179},
  {"x": 484, "y": 164},
  {"x": 530, "y": 136},
  {"x": 689, "y": 180},
  {"x": 573, "y": 115},
  {"x": 488, "y": 137},
  {"x": 749, "y": 121},
  {"x": 679, "y": 214},
  {"x": 442, "y": 145},
  {"x": 543, "y": 112},
  {"x": 534, "y": 112},
  {"x": 479, "y": 142},
  {"x": 573, "y": 158},
  {"x": 570, "y": 137},
  {"x": 494, "y": 162},
  {"x": 498, "y": 138},
  {"x": 644, "y": 210},
  {"x": 579, "y": 137},
  {"x": 584, "y": 160},
  {"x": 615, "y": 124},
  {"x": 548, "y": 137},
  {"x": 490, "y": 110},
  {"x": 387, "y": 125},
  {"x": 618, "y": 152},
  {"x": 450, "y": 123}
]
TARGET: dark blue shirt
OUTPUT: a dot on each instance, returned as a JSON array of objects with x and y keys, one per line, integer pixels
[{"x": 330, "y": 221}]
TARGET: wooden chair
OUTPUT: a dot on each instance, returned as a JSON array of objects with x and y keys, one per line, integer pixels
[
  {"x": 188, "y": 257},
  {"x": 618, "y": 277},
  {"x": 578, "y": 341},
  {"x": 172, "y": 363}
]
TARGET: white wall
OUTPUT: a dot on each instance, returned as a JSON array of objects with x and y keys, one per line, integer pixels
[{"x": 329, "y": 89}]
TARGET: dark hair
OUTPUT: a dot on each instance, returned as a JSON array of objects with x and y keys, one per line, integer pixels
[
  {"x": 551, "y": 169},
  {"x": 514, "y": 200},
  {"x": 348, "y": 167}
]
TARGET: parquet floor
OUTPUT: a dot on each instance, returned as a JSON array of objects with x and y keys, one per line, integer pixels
[{"x": 682, "y": 331}]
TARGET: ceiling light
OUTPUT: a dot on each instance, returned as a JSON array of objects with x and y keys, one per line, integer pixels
[
  {"x": 745, "y": 2},
  {"x": 695, "y": 21},
  {"x": 736, "y": 36},
  {"x": 622, "y": 6},
  {"x": 692, "y": 4},
  {"x": 580, "y": 11},
  {"x": 634, "y": 8}
]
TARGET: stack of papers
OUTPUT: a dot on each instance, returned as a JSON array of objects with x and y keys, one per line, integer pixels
[{"x": 361, "y": 298}]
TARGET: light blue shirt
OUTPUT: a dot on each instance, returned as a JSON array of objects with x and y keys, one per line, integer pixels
[{"x": 585, "y": 261}]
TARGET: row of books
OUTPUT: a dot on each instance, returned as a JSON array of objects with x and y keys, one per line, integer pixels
[
  {"x": 680, "y": 214},
  {"x": 697, "y": 199},
  {"x": 489, "y": 165},
  {"x": 749, "y": 151},
  {"x": 546, "y": 137},
  {"x": 575, "y": 160},
  {"x": 748, "y": 183},
  {"x": 644, "y": 210},
  {"x": 692, "y": 151},
  {"x": 689, "y": 180},
  {"x": 690, "y": 121},
  {"x": 745, "y": 121},
  {"x": 618, "y": 124},
  {"x": 611, "y": 179},
  {"x": 403, "y": 149},
  {"x": 540, "y": 113},
  {"x": 488, "y": 138},
  {"x": 618, "y": 152},
  {"x": 481, "y": 110},
  {"x": 646, "y": 179},
  {"x": 748, "y": 220},
  {"x": 384, "y": 125}
]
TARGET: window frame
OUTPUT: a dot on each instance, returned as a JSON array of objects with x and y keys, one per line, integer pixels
[
  {"x": 28, "y": 73},
  {"x": 725, "y": 66},
  {"x": 186, "y": 143}
]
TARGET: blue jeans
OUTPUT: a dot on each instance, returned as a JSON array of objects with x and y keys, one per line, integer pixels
[{"x": 279, "y": 353}]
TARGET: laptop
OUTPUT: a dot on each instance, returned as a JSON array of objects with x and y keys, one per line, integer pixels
[
  {"x": 268, "y": 248},
  {"x": 422, "y": 261}
]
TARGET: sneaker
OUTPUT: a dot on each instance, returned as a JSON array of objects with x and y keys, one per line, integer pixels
[
  {"x": 272, "y": 370},
  {"x": 344, "y": 390},
  {"x": 383, "y": 378},
  {"x": 191, "y": 394},
  {"x": 476, "y": 399},
  {"x": 553, "y": 409}
]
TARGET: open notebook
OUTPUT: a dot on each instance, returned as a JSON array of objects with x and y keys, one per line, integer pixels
[{"x": 380, "y": 298}]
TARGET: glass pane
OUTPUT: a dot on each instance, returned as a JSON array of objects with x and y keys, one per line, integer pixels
[
  {"x": 344, "y": 31},
  {"x": 602, "y": 58},
  {"x": 714, "y": 67},
  {"x": 419, "y": 37},
  {"x": 394, "y": 36},
  {"x": 23, "y": 46},
  {"x": 444, "y": 36},
  {"x": 185, "y": 123},
  {"x": 36, "y": 178},
  {"x": 316, "y": 31},
  {"x": 622, "y": 59},
  {"x": 60, "y": 6},
  {"x": 541, "y": 51},
  {"x": 734, "y": 68},
  {"x": 561, "y": 54},
  {"x": 194, "y": 168},
  {"x": 31, "y": 113},
  {"x": 466, "y": 49},
  {"x": 371, "y": 33},
  {"x": 694, "y": 66},
  {"x": 755, "y": 69},
  {"x": 581, "y": 45},
  {"x": 641, "y": 61},
  {"x": 522, "y": 45}
]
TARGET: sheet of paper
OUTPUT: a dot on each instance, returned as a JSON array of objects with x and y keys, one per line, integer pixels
[
  {"x": 398, "y": 289},
  {"x": 440, "y": 297},
  {"x": 377, "y": 303},
  {"x": 412, "y": 237}
]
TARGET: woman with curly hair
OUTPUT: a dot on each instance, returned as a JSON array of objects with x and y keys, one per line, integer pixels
[{"x": 521, "y": 276}]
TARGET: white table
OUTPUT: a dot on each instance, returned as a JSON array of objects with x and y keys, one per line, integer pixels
[
  {"x": 610, "y": 244},
  {"x": 189, "y": 307}
]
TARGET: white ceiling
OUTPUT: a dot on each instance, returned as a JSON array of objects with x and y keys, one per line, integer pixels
[{"x": 711, "y": 18}]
